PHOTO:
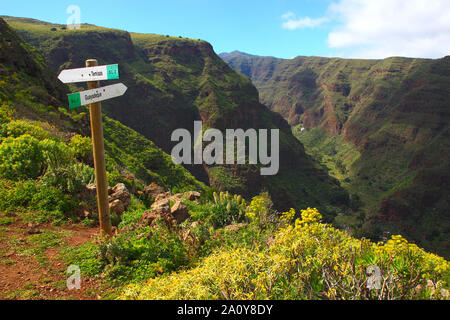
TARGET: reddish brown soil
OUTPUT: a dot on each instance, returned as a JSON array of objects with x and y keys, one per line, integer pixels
[{"x": 23, "y": 277}]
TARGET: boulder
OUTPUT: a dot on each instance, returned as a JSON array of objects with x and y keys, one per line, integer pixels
[
  {"x": 180, "y": 212},
  {"x": 177, "y": 197},
  {"x": 161, "y": 206},
  {"x": 152, "y": 190},
  {"x": 91, "y": 190},
  {"x": 86, "y": 213},
  {"x": 33, "y": 228},
  {"x": 148, "y": 217},
  {"x": 120, "y": 192},
  {"x": 192, "y": 195},
  {"x": 235, "y": 227},
  {"x": 91, "y": 187},
  {"x": 119, "y": 198},
  {"x": 163, "y": 196},
  {"x": 117, "y": 206}
]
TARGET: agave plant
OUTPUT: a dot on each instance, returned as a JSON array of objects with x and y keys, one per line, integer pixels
[{"x": 227, "y": 200}]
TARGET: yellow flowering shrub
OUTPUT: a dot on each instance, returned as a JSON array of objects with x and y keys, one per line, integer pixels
[
  {"x": 225, "y": 275},
  {"x": 307, "y": 260},
  {"x": 258, "y": 212},
  {"x": 432, "y": 267},
  {"x": 287, "y": 217}
]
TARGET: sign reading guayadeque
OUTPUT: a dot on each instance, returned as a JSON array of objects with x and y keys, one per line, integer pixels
[
  {"x": 109, "y": 72},
  {"x": 96, "y": 95}
]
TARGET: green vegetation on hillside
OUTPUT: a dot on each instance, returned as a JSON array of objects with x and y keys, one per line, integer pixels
[
  {"x": 258, "y": 256},
  {"x": 45, "y": 161},
  {"x": 227, "y": 248},
  {"x": 379, "y": 126},
  {"x": 306, "y": 260},
  {"x": 173, "y": 81}
]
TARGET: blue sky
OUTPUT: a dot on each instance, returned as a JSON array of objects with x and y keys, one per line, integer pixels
[{"x": 281, "y": 28}]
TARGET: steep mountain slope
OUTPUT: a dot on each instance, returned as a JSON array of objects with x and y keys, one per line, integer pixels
[
  {"x": 47, "y": 219},
  {"x": 174, "y": 81},
  {"x": 30, "y": 91},
  {"x": 380, "y": 126}
]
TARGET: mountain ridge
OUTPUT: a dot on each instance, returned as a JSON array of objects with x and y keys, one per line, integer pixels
[
  {"x": 167, "y": 243},
  {"x": 379, "y": 126},
  {"x": 174, "y": 81}
]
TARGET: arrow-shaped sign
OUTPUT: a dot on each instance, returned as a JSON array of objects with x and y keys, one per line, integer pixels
[
  {"x": 109, "y": 72},
  {"x": 95, "y": 95}
]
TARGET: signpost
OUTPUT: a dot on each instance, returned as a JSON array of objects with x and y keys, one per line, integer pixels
[
  {"x": 92, "y": 74},
  {"x": 110, "y": 72},
  {"x": 96, "y": 95}
]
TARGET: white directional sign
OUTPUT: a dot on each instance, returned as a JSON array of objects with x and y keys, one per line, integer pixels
[
  {"x": 109, "y": 72},
  {"x": 95, "y": 95}
]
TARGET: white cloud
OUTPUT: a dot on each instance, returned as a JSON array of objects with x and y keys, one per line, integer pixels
[
  {"x": 382, "y": 28},
  {"x": 288, "y": 15},
  {"x": 293, "y": 23}
]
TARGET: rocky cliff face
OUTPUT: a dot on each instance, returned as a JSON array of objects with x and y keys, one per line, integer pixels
[
  {"x": 173, "y": 82},
  {"x": 394, "y": 115}
]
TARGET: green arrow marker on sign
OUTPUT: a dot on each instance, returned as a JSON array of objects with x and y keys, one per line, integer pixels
[
  {"x": 74, "y": 100},
  {"x": 112, "y": 71}
]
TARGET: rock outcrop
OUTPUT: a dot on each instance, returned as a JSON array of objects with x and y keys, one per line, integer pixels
[
  {"x": 118, "y": 197},
  {"x": 161, "y": 205},
  {"x": 153, "y": 190},
  {"x": 178, "y": 212}
]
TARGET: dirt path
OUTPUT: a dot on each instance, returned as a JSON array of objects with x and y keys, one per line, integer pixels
[{"x": 29, "y": 270}]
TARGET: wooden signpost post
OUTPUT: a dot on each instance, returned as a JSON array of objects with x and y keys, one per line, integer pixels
[{"x": 92, "y": 74}]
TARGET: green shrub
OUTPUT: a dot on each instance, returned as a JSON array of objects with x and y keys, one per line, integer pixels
[
  {"x": 21, "y": 158},
  {"x": 39, "y": 201},
  {"x": 61, "y": 169},
  {"x": 140, "y": 203},
  {"x": 131, "y": 217},
  {"x": 226, "y": 209},
  {"x": 5, "y": 113},
  {"x": 16, "y": 128},
  {"x": 223, "y": 215},
  {"x": 307, "y": 260},
  {"x": 52, "y": 204},
  {"x": 56, "y": 153},
  {"x": 115, "y": 177},
  {"x": 25, "y": 157},
  {"x": 82, "y": 147},
  {"x": 82, "y": 175},
  {"x": 246, "y": 236},
  {"x": 70, "y": 178},
  {"x": 23, "y": 193},
  {"x": 143, "y": 253},
  {"x": 85, "y": 256},
  {"x": 200, "y": 212},
  {"x": 4, "y": 221},
  {"x": 16, "y": 195}
]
